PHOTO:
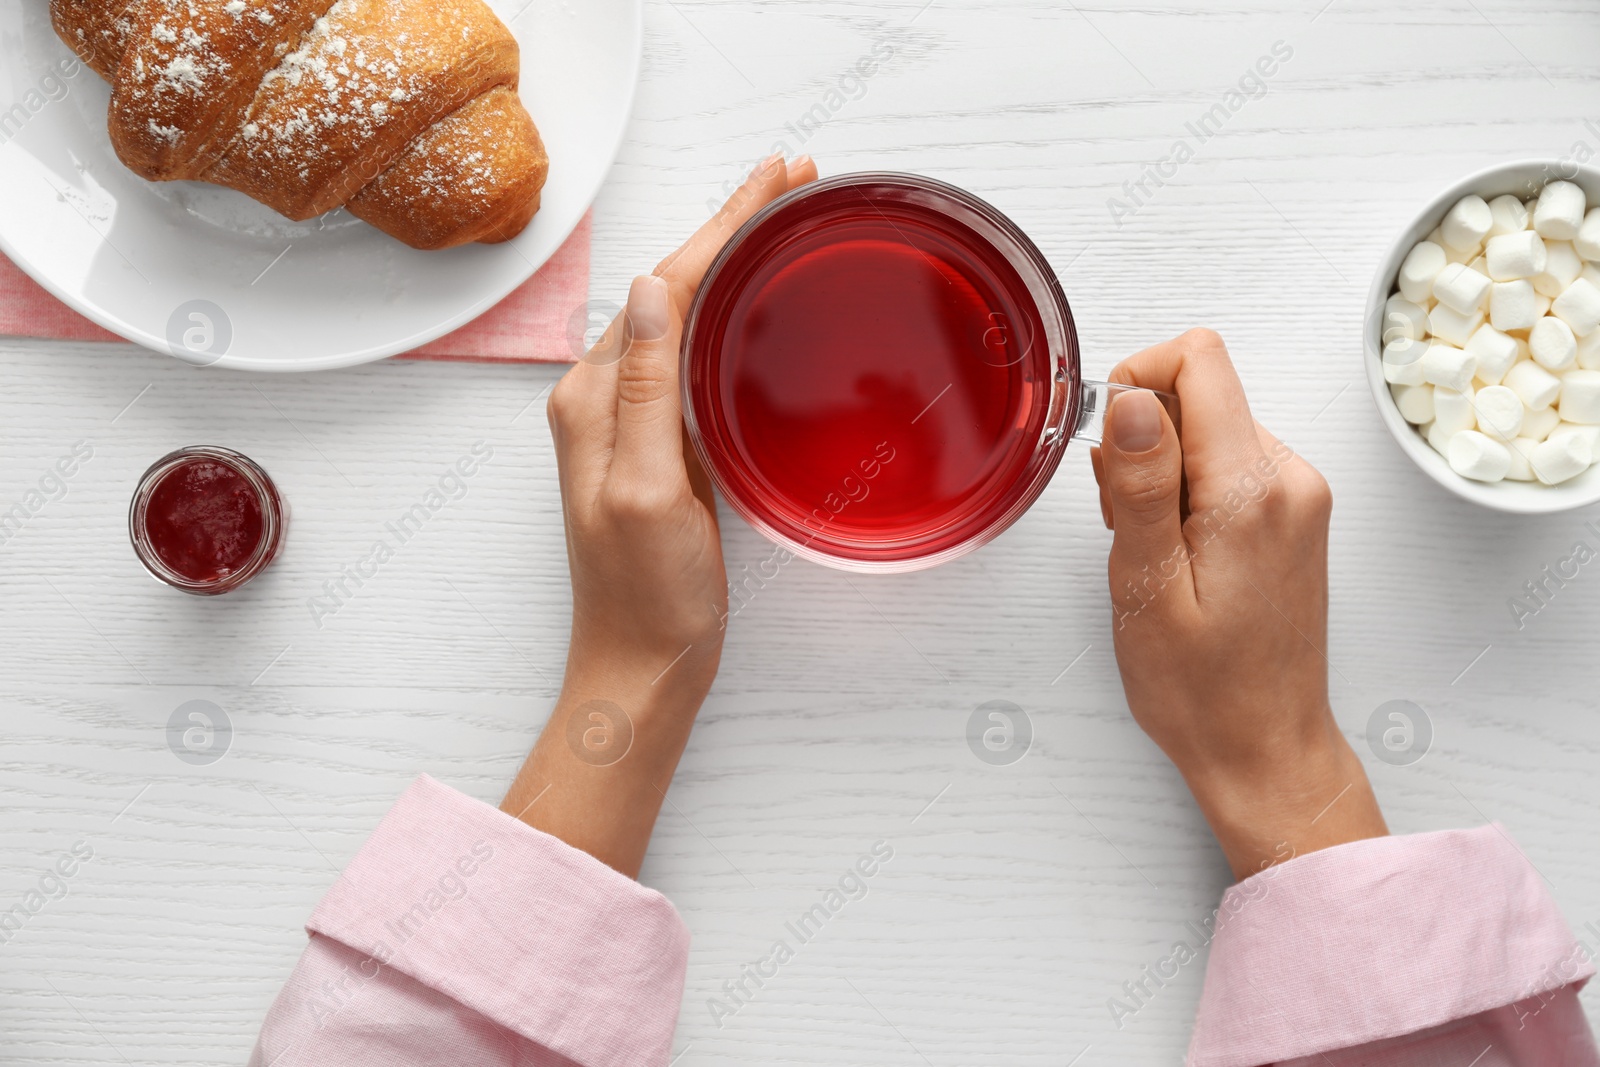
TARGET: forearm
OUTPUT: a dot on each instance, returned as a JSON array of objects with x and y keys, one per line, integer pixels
[
  {"x": 1272, "y": 814},
  {"x": 599, "y": 772}
]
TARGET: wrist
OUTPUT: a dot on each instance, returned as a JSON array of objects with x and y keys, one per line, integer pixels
[
  {"x": 641, "y": 681},
  {"x": 599, "y": 773},
  {"x": 1308, "y": 800}
]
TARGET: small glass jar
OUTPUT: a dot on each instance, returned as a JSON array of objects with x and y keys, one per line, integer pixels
[{"x": 206, "y": 520}]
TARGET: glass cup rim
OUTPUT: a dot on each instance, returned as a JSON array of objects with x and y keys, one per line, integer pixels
[
  {"x": 266, "y": 491},
  {"x": 1066, "y": 370}
]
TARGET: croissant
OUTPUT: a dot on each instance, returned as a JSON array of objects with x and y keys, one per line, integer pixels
[{"x": 403, "y": 111}]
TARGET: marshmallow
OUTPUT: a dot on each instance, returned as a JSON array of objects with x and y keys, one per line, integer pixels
[
  {"x": 1491, "y": 345},
  {"x": 1537, "y": 425},
  {"x": 1554, "y": 462},
  {"x": 1463, "y": 289},
  {"x": 1579, "y": 307},
  {"x": 1402, "y": 361},
  {"x": 1537, "y": 387},
  {"x": 1437, "y": 439},
  {"x": 1493, "y": 353},
  {"x": 1451, "y": 254},
  {"x": 1448, "y": 324},
  {"x": 1499, "y": 412},
  {"x": 1507, "y": 215},
  {"x": 1466, "y": 224},
  {"x": 1510, "y": 255},
  {"x": 1521, "y": 470},
  {"x": 1422, "y": 264},
  {"x": 1587, "y": 243},
  {"x": 1473, "y": 455},
  {"x": 1511, "y": 304},
  {"x": 1448, "y": 366},
  {"x": 1553, "y": 345},
  {"x": 1402, "y": 318},
  {"x": 1580, "y": 397},
  {"x": 1559, "y": 212},
  {"x": 1561, "y": 268},
  {"x": 1416, "y": 403},
  {"x": 1453, "y": 412},
  {"x": 1589, "y": 351},
  {"x": 1590, "y": 435}
]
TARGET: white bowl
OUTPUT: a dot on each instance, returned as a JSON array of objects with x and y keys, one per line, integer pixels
[{"x": 1524, "y": 178}]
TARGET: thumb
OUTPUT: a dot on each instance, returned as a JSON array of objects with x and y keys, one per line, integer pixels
[
  {"x": 1143, "y": 477},
  {"x": 649, "y": 418}
]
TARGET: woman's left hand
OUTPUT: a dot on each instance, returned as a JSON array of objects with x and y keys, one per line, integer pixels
[
  {"x": 649, "y": 592},
  {"x": 648, "y": 584}
]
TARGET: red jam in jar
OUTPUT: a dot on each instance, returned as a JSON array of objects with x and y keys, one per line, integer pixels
[{"x": 206, "y": 520}]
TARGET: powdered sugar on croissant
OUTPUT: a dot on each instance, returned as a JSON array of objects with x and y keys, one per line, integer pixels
[{"x": 403, "y": 110}]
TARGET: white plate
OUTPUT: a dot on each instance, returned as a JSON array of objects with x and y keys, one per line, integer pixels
[{"x": 130, "y": 254}]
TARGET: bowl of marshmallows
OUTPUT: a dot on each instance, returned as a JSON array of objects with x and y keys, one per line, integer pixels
[{"x": 1483, "y": 337}]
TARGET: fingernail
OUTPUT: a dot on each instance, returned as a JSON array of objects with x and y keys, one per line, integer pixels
[
  {"x": 800, "y": 161},
  {"x": 649, "y": 309},
  {"x": 769, "y": 166},
  {"x": 1136, "y": 421}
]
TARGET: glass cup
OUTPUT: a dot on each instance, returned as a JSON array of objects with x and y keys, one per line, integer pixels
[{"x": 812, "y": 362}]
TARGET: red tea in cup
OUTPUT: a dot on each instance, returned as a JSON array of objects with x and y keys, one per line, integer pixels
[{"x": 880, "y": 372}]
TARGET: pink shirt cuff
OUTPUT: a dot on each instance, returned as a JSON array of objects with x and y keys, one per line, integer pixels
[
  {"x": 1374, "y": 940},
  {"x": 535, "y": 936}
]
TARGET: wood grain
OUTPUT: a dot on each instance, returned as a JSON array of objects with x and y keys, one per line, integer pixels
[{"x": 1020, "y": 897}]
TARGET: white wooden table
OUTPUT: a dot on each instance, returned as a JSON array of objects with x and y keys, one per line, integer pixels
[{"x": 1020, "y": 897}]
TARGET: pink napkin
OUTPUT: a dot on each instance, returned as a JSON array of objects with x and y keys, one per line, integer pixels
[{"x": 528, "y": 326}]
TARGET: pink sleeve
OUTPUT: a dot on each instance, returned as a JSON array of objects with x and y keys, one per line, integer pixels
[
  {"x": 1439, "y": 948},
  {"x": 460, "y": 935}
]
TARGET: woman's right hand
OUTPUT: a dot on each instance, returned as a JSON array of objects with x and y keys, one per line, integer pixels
[{"x": 1219, "y": 589}]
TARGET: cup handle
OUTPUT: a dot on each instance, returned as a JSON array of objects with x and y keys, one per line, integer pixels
[{"x": 1097, "y": 399}]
